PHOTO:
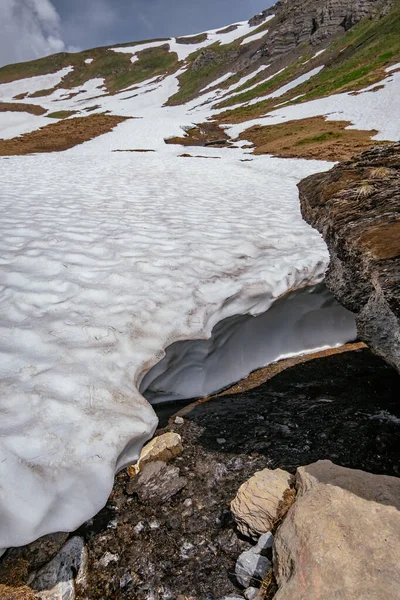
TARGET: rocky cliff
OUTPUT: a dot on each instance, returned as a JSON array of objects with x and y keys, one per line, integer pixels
[
  {"x": 298, "y": 22},
  {"x": 356, "y": 207}
]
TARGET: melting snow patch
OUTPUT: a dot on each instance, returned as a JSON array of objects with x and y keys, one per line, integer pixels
[{"x": 89, "y": 301}]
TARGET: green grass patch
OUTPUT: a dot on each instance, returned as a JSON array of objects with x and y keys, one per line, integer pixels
[
  {"x": 324, "y": 137},
  {"x": 115, "y": 67},
  {"x": 194, "y": 39},
  {"x": 194, "y": 79}
]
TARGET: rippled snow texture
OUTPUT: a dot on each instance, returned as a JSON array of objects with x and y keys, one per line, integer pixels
[{"x": 106, "y": 260}]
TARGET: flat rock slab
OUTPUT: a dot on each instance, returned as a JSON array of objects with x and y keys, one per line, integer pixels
[{"x": 341, "y": 537}]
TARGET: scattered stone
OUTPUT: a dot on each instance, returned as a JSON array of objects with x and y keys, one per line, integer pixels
[
  {"x": 156, "y": 482},
  {"x": 108, "y": 558},
  {"x": 261, "y": 501},
  {"x": 164, "y": 448},
  {"x": 179, "y": 421},
  {"x": 340, "y": 539},
  {"x": 154, "y": 524},
  {"x": 221, "y": 441},
  {"x": 57, "y": 579},
  {"x": 265, "y": 542},
  {"x": 232, "y": 598},
  {"x": 138, "y": 528},
  {"x": 251, "y": 593},
  {"x": 251, "y": 567}
]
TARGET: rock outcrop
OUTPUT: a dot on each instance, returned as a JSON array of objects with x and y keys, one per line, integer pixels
[
  {"x": 356, "y": 207},
  {"x": 299, "y": 22},
  {"x": 340, "y": 538}
]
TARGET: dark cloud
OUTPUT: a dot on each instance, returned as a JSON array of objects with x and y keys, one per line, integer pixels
[{"x": 32, "y": 28}]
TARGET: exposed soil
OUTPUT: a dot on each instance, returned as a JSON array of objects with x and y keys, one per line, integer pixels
[
  {"x": 204, "y": 134},
  {"x": 135, "y": 150},
  {"x": 313, "y": 138},
  {"x": 33, "y": 109},
  {"x": 60, "y": 136}
]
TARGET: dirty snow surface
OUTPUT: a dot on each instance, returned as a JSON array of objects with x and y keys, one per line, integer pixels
[{"x": 109, "y": 258}]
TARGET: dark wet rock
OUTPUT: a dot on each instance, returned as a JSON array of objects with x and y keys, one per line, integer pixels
[{"x": 356, "y": 207}]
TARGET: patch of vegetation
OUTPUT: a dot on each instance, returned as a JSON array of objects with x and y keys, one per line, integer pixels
[
  {"x": 359, "y": 58},
  {"x": 290, "y": 73},
  {"x": 355, "y": 61},
  {"x": 60, "y": 136},
  {"x": 194, "y": 79},
  {"x": 115, "y": 67},
  {"x": 323, "y": 137},
  {"x": 194, "y": 39},
  {"x": 33, "y": 109},
  {"x": 61, "y": 114}
]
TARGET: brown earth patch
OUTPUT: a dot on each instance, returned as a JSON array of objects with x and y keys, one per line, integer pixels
[
  {"x": 33, "y": 109},
  {"x": 197, "y": 156},
  {"x": 135, "y": 150},
  {"x": 382, "y": 241},
  {"x": 312, "y": 138},
  {"x": 204, "y": 134},
  {"x": 60, "y": 136}
]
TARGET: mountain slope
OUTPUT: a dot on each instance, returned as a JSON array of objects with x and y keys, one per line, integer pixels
[{"x": 119, "y": 252}]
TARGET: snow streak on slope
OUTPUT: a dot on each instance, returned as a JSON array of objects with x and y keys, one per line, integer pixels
[{"x": 366, "y": 109}]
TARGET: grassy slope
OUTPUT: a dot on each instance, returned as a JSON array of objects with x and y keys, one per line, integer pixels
[
  {"x": 356, "y": 60},
  {"x": 116, "y": 68}
]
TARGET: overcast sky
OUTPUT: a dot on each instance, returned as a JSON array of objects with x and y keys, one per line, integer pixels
[{"x": 32, "y": 28}]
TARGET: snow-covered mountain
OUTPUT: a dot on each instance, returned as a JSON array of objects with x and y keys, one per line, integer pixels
[{"x": 149, "y": 201}]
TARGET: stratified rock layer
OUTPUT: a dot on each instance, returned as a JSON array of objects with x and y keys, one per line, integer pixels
[
  {"x": 356, "y": 207},
  {"x": 340, "y": 538}
]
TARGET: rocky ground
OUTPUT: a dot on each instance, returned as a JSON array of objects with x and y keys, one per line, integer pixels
[{"x": 168, "y": 533}]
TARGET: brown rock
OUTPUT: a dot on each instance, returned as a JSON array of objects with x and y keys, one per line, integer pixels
[
  {"x": 164, "y": 448},
  {"x": 261, "y": 501},
  {"x": 356, "y": 207},
  {"x": 341, "y": 537}
]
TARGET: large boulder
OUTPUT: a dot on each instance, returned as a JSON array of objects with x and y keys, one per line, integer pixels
[
  {"x": 356, "y": 207},
  {"x": 341, "y": 537},
  {"x": 261, "y": 501}
]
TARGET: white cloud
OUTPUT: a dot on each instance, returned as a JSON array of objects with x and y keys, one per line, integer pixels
[{"x": 28, "y": 29}]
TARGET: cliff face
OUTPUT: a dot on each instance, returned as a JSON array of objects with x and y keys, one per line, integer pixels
[
  {"x": 299, "y": 22},
  {"x": 356, "y": 207}
]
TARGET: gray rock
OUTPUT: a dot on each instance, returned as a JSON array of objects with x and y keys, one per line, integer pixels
[
  {"x": 251, "y": 593},
  {"x": 57, "y": 580},
  {"x": 232, "y": 598},
  {"x": 157, "y": 482},
  {"x": 265, "y": 542},
  {"x": 250, "y": 566}
]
